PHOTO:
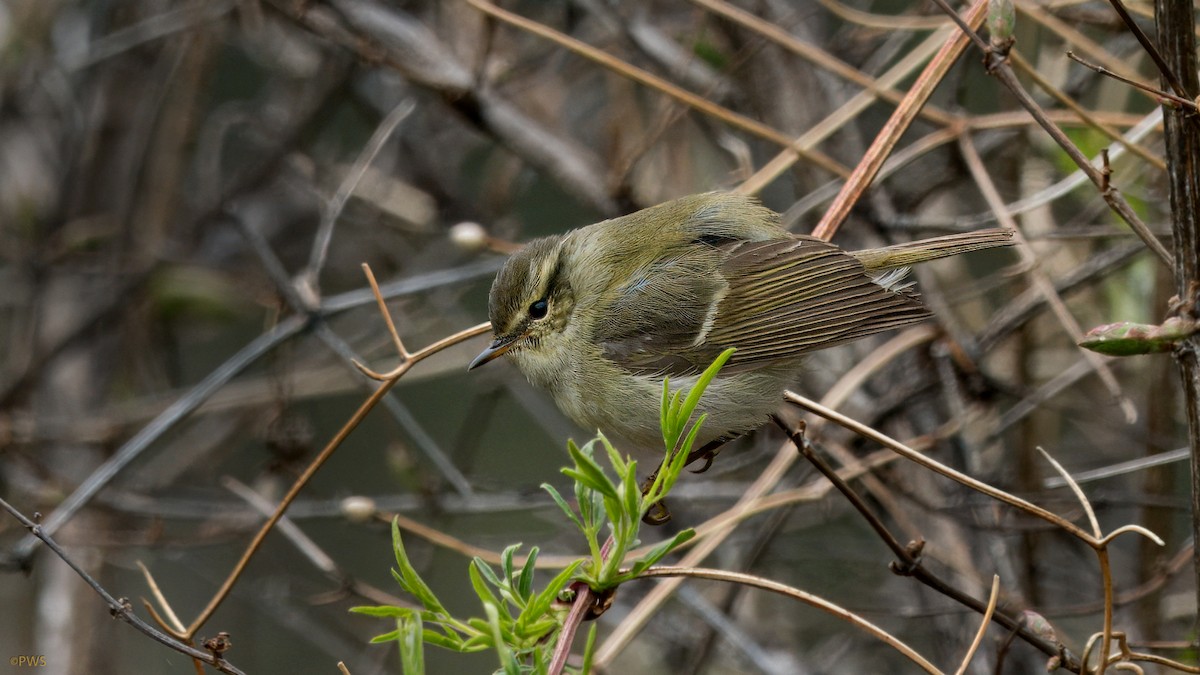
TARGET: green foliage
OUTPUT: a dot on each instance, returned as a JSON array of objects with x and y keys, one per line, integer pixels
[
  {"x": 518, "y": 624},
  {"x": 1127, "y": 338},
  {"x": 521, "y": 624},
  {"x": 710, "y": 53},
  {"x": 1001, "y": 21}
]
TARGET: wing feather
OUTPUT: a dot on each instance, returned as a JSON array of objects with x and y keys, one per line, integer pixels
[{"x": 779, "y": 300}]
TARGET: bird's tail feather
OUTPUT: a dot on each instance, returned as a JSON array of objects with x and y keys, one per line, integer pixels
[{"x": 911, "y": 253}]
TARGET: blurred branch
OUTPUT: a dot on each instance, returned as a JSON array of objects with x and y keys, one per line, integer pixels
[
  {"x": 1165, "y": 70},
  {"x": 393, "y": 38},
  {"x": 823, "y": 59},
  {"x": 1179, "y": 101},
  {"x": 996, "y": 63},
  {"x": 837, "y": 119},
  {"x": 652, "y": 81},
  {"x": 300, "y": 295},
  {"x": 189, "y": 402},
  {"x": 185, "y": 18},
  {"x": 310, "y": 277},
  {"x": 909, "y": 557},
  {"x": 407, "y": 361},
  {"x": 1039, "y": 278},
  {"x": 131, "y": 449},
  {"x": 1084, "y": 115},
  {"x": 119, "y": 607},
  {"x": 795, "y": 594}
]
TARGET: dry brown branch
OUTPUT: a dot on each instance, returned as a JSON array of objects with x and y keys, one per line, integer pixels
[
  {"x": 998, "y": 66},
  {"x": 407, "y": 361},
  {"x": 897, "y": 124},
  {"x": 779, "y": 164},
  {"x": 993, "y": 598},
  {"x": 654, "y": 82},
  {"x": 120, "y": 607},
  {"x": 983, "y": 180},
  {"x": 795, "y": 594}
]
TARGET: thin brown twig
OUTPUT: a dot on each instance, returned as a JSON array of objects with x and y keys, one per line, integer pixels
[
  {"x": 993, "y": 598},
  {"x": 1070, "y": 324},
  {"x": 1071, "y": 35},
  {"x": 957, "y": 476},
  {"x": 1177, "y": 100},
  {"x": 1102, "y": 557},
  {"x": 647, "y": 79},
  {"x": 120, "y": 608},
  {"x": 796, "y": 594},
  {"x": 408, "y": 360},
  {"x": 885, "y": 141},
  {"x": 996, "y": 64},
  {"x": 908, "y": 557},
  {"x": 1150, "y": 47},
  {"x": 1129, "y": 655},
  {"x": 157, "y": 593},
  {"x": 1085, "y": 115}
]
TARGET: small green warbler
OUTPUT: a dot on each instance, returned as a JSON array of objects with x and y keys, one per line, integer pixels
[{"x": 598, "y": 316}]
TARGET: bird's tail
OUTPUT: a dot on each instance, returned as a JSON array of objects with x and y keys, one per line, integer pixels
[{"x": 911, "y": 253}]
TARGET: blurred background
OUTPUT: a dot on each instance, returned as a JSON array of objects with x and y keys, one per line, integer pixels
[{"x": 188, "y": 190}]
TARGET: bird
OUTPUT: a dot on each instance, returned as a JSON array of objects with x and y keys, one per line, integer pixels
[{"x": 599, "y": 316}]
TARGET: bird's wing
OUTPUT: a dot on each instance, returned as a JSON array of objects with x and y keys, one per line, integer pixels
[
  {"x": 794, "y": 296},
  {"x": 651, "y": 323},
  {"x": 779, "y": 299}
]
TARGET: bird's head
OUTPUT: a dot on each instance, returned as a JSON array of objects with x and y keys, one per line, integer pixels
[{"x": 531, "y": 301}]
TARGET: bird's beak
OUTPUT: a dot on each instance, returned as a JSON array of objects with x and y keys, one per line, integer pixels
[{"x": 495, "y": 350}]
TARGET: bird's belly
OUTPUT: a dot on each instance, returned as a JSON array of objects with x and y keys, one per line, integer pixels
[{"x": 629, "y": 411}]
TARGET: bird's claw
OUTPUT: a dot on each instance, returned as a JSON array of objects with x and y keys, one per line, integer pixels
[
  {"x": 708, "y": 458},
  {"x": 657, "y": 514}
]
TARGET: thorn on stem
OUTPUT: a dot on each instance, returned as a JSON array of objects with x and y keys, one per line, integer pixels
[{"x": 218, "y": 645}]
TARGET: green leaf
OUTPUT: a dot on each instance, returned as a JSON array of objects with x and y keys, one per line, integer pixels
[
  {"x": 525, "y": 581},
  {"x": 633, "y": 495},
  {"x": 673, "y": 416},
  {"x": 664, "y": 411},
  {"x": 384, "y": 611},
  {"x": 506, "y": 562},
  {"x": 386, "y": 637},
  {"x": 481, "y": 589},
  {"x": 482, "y": 640},
  {"x": 589, "y": 649},
  {"x": 538, "y": 629},
  {"x": 614, "y": 456},
  {"x": 542, "y": 601},
  {"x": 562, "y": 504},
  {"x": 412, "y": 646},
  {"x": 409, "y": 579},
  {"x": 588, "y": 472},
  {"x": 507, "y": 660},
  {"x": 691, "y": 437},
  {"x": 658, "y": 552},
  {"x": 705, "y": 379},
  {"x": 453, "y": 643},
  {"x": 488, "y": 573}
]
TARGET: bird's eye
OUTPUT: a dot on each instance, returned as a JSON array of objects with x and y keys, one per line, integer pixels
[{"x": 538, "y": 309}]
